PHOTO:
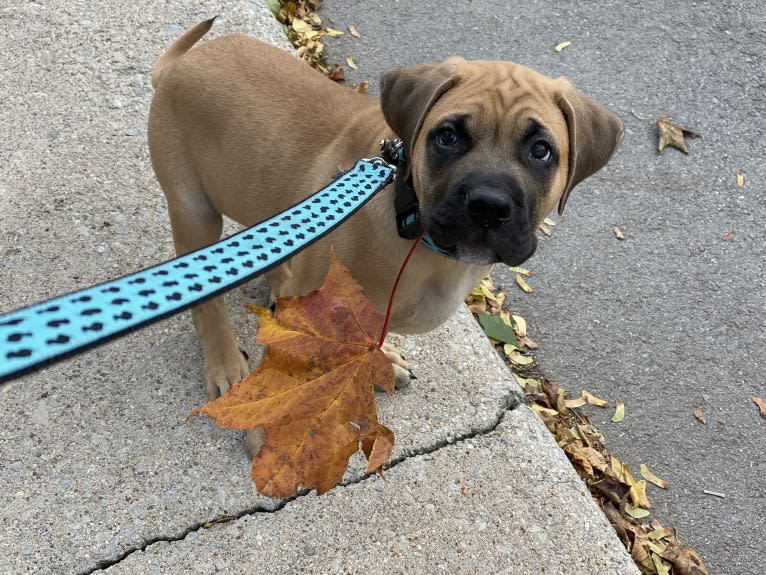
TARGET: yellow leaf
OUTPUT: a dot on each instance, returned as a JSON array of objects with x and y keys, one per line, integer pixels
[
  {"x": 509, "y": 348},
  {"x": 518, "y": 270},
  {"x": 477, "y": 306},
  {"x": 351, "y": 63},
  {"x": 619, "y": 412},
  {"x": 549, "y": 222},
  {"x": 577, "y": 402},
  {"x": 628, "y": 476},
  {"x": 617, "y": 469},
  {"x": 486, "y": 289},
  {"x": 527, "y": 383},
  {"x": 519, "y": 359},
  {"x": 520, "y": 325},
  {"x": 523, "y": 284},
  {"x": 362, "y": 87},
  {"x": 594, "y": 457},
  {"x": 593, "y": 400},
  {"x": 618, "y": 233},
  {"x": 652, "y": 478},
  {"x": 578, "y": 458},
  {"x": 543, "y": 410},
  {"x": 637, "y": 494},
  {"x": 561, "y": 45},
  {"x": 740, "y": 179},
  {"x": 301, "y": 27},
  {"x": 528, "y": 343},
  {"x": 332, "y": 32}
]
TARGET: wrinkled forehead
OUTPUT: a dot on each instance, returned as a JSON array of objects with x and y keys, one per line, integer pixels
[{"x": 505, "y": 95}]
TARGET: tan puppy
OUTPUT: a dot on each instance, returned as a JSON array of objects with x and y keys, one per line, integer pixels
[{"x": 241, "y": 128}]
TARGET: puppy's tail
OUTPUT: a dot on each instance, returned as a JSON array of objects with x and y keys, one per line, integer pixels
[{"x": 180, "y": 47}]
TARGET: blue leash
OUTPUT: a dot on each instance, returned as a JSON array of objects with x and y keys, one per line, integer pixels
[{"x": 40, "y": 334}]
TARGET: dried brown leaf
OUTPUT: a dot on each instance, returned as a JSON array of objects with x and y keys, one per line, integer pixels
[
  {"x": 314, "y": 391},
  {"x": 593, "y": 400},
  {"x": 699, "y": 415},
  {"x": 353, "y": 31},
  {"x": 686, "y": 561},
  {"x": 618, "y": 233},
  {"x": 574, "y": 403},
  {"x": 647, "y": 474},
  {"x": 637, "y": 494},
  {"x": 729, "y": 236},
  {"x": 672, "y": 134},
  {"x": 521, "y": 282}
]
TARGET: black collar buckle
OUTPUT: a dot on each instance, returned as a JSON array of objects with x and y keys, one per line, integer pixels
[{"x": 406, "y": 201}]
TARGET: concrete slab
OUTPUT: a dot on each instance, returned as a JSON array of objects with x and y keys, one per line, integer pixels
[
  {"x": 502, "y": 502},
  {"x": 100, "y": 466}
]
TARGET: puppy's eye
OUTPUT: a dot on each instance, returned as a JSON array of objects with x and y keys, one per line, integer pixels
[
  {"x": 541, "y": 151},
  {"x": 447, "y": 137}
]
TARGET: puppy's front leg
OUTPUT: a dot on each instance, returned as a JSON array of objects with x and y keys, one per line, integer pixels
[
  {"x": 195, "y": 224},
  {"x": 224, "y": 362}
]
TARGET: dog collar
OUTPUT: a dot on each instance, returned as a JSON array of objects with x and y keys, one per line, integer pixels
[
  {"x": 406, "y": 203},
  {"x": 49, "y": 331}
]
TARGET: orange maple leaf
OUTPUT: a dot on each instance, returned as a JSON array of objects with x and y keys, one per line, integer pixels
[{"x": 314, "y": 390}]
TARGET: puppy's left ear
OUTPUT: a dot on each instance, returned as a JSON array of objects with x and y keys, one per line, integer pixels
[
  {"x": 407, "y": 94},
  {"x": 594, "y": 135}
]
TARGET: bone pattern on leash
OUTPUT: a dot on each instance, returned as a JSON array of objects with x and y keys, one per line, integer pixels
[{"x": 49, "y": 331}]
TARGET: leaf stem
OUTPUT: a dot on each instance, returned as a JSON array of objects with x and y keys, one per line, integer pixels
[{"x": 384, "y": 332}]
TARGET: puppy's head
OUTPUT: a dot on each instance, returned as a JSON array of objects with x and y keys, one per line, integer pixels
[{"x": 492, "y": 148}]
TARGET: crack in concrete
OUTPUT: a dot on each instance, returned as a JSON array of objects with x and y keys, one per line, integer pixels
[{"x": 508, "y": 403}]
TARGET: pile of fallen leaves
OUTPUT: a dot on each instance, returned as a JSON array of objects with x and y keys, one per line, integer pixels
[
  {"x": 655, "y": 549},
  {"x": 305, "y": 30}
]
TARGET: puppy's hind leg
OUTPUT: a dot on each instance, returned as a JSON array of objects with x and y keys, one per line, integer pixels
[{"x": 196, "y": 224}]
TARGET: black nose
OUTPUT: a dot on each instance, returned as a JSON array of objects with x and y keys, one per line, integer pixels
[{"x": 489, "y": 206}]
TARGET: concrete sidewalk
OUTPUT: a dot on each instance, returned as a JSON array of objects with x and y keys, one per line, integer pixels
[{"x": 100, "y": 468}]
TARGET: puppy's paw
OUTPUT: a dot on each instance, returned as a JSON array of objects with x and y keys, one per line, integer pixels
[
  {"x": 402, "y": 373},
  {"x": 223, "y": 371}
]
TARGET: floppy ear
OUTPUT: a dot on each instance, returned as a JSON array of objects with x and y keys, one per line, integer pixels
[
  {"x": 594, "y": 135},
  {"x": 407, "y": 94}
]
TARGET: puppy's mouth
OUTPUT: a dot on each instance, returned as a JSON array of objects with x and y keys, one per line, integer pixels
[{"x": 483, "y": 220}]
